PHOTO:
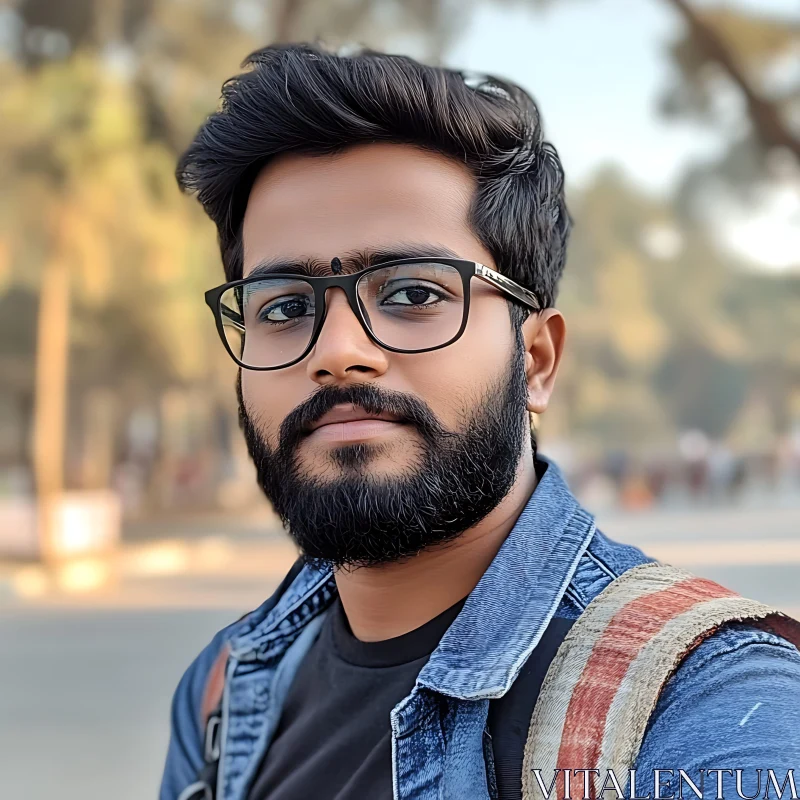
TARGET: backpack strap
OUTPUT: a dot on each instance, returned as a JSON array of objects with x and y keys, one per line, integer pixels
[
  {"x": 605, "y": 680},
  {"x": 215, "y": 685},
  {"x": 205, "y": 787}
]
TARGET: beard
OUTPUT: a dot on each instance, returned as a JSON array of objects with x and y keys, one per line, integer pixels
[{"x": 358, "y": 519}]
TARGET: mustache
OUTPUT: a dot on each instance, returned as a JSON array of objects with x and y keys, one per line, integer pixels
[{"x": 408, "y": 409}]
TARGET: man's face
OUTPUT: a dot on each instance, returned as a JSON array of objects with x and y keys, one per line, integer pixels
[{"x": 368, "y": 494}]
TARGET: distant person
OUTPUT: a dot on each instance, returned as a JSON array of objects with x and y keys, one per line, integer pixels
[{"x": 393, "y": 236}]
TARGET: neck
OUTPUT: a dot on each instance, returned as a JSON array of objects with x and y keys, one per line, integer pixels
[{"x": 392, "y": 599}]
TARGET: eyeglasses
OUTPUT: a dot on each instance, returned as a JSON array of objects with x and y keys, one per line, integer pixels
[{"x": 410, "y": 305}]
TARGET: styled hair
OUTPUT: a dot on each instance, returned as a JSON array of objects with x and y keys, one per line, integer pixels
[{"x": 301, "y": 98}]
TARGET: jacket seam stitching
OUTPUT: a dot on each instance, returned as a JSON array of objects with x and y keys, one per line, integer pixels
[
  {"x": 732, "y": 648},
  {"x": 575, "y": 595},
  {"x": 603, "y": 566}
]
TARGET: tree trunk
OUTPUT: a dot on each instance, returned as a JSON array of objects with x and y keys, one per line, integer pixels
[{"x": 50, "y": 401}]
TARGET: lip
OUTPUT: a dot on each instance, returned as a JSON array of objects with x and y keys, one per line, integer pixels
[
  {"x": 351, "y": 423},
  {"x": 349, "y": 413}
]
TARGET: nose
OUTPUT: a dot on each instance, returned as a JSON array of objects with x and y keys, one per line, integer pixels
[{"x": 343, "y": 352}]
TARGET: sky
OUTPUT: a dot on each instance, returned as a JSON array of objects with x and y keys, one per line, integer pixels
[{"x": 597, "y": 69}]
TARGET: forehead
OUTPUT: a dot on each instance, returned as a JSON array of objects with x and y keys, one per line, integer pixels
[{"x": 369, "y": 196}]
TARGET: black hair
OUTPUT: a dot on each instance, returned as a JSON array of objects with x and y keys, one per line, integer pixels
[{"x": 304, "y": 99}]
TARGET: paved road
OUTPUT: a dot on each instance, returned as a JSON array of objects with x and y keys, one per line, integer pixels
[
  {"x": 84, "y": 699},
  {"x": 84, "y": 693},
  {"x": 755, "y": 552}
]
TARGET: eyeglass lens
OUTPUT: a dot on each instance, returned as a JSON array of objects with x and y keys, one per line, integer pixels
[{"x": 410, "y": 307}]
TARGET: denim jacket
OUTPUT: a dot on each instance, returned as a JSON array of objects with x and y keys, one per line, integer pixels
[{"x": 734, "y": 702}]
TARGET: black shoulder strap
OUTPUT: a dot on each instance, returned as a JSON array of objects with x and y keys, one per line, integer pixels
[
  {"x": 205, "y": 787},
  {"x": 509, "y": 716}
]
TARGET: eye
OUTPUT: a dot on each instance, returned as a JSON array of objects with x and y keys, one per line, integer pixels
[
  {"x": 417, "y": 295},
  {"x": 285, "y": 309}
]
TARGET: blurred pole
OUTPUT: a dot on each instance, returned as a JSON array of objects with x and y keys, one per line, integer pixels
[
  {"x": 97, "y": 458},
  {"x": 49, "y": 412},
  {"x": 286, "y": 16}
]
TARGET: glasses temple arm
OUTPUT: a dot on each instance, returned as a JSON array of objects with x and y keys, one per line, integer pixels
[
  {"x": 508, "y": 286},
  {"x": 235, "y": 319}
]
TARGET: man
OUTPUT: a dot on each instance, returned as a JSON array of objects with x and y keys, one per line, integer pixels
[{"x": 393, "y": 237}]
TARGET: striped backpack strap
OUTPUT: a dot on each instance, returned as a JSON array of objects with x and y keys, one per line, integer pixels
[{"x": 604, "y": 682}]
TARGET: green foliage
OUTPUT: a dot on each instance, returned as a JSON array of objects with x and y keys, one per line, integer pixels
[
  {"x": 76, "y": 161},
  {"x": 665, "y": 333}
]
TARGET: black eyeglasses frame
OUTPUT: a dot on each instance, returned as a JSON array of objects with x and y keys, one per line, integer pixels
[{"x": 348, "y": 283}]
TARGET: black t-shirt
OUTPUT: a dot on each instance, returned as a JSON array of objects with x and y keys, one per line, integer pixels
[{"x": 333, "y": 740}]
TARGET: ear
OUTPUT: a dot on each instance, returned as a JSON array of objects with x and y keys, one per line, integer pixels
[{"x": 544, "y": 335}]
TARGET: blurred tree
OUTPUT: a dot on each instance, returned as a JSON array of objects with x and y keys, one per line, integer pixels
[
  {"x": 726, "y": 48},
  {"x": 732, "y": 330},
  {"x": 93, "y": 224},
  {"x": 666, "y": 332},
  {"x": 178, "y": 53},
  {"x": 173, "y": 46},
  {"x": 747, "y": 50}
]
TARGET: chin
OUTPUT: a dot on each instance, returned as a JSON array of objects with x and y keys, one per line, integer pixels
[
  {"x": 362, "y": 456},
  {"x": 357, "y": 458}
]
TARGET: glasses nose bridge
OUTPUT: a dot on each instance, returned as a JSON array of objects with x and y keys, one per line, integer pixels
[{"x": 350, "y": 299}]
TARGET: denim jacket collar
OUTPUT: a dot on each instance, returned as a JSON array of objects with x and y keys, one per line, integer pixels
[
  {"x": 503, "y": 618},
  {"x": 506, "y": 614}
]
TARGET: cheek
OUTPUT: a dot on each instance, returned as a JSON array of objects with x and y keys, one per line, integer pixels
[
  {"x": 488, "y": 341},
  {"x": 268, "y": 399},
  {"x": 452, "y": 379}
]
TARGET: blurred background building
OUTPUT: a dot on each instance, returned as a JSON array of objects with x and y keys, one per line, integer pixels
[{"x": 124, "y": 482}]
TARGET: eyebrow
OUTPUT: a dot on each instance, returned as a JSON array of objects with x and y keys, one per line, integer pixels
[
  {"x": 352, "y": 260},
  {"x": 308, "y": 267}
]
